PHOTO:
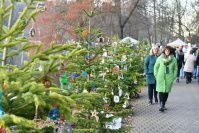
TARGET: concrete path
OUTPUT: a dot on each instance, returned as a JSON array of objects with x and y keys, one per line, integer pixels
[{"x": 182, "y": 115}]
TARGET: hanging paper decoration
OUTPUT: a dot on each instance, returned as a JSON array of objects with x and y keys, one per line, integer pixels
[
  {"x": 116, "y": 70},
  {"x": 72, "y": 125},
  {"x": 106, "y": 106},
  {"x": 47, "y": 82},
  {"x": 41, "y": 7},
  {"x": 125, "y": 67},
  {"x": 2, "y": 129},
  {"x": 85, "y": 91},
  {"x": 84, "y": 33},
  {"x": 77, "y": 89},
  {"x": 1, "y": 111},
  {"x": 64, "y": 78},
  {"x": 114, "y": 124},
  {"x": 74, "y": 75},
  {"x": 125, "y": 104},
  {"x": 95, "y": 90},
  {"x": 63, "y": 127},
  {"x": 92, "y": 86},
  {"x": 84, "y": 73},
  {"x": 32, "y": 32},
  {"x": 69, "y": 87},
  {"x": 120, "y": 92},
  {"x": 94, "y": 114},
  {"x": 67, "y": 62},
  {"x": 126, "y": 95},
  {"x": 105, "y": 52},
  {"x": 53, "y": 113},
  {"x": 135, "y": 81},
  {"x": 124, "y": 58},
  {"x": 116, "y": 99},
  {"x": 125, "y": 79},
  {"x": 105, "y": 99}
]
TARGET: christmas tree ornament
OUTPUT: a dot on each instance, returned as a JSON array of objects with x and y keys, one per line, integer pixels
[
  {"x": 126, "y": 95},
  {"x": 105, "y": 99},
  {"x": 106, "y": 107},
  {"x": 54, "y": 113},
  {"x": 85, "y": 91},
  {"x": 1, "y": 111},
  {"x": 64, "y": 79},
  {"x": 94, "y": 114},
  {"x": 115, "y": 123},
  {"x": 41, "y": 7},
  {"x": 69, "y": 87},
  {"x": 74, "y": 74},
  {"x": 120, "y": 92},
  {"x": 116, "y": 99},
  {"x": 135, "y": 81},
  {"x": 116, "y": 70},
  {"x": 125, "y": 104},
  {"x": 84, "y": 73},
  {"x": 72, "y": 125},
  {"x": 95, "y": 90},
  {"x": 92, "y": 86},
  {"x": 84, "y": 33},
  {"x": 47, "y": 83},
  {"x": 124, "y": 58},
  {"x": 32, "y": 32}
]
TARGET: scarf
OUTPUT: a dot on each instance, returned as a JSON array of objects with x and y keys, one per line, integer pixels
[{"x": 166, "y": 59}]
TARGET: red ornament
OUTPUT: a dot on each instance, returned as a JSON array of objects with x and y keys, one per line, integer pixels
[{"x": 5, "y": 85}]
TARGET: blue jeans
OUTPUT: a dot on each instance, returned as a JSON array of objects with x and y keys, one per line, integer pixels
[{"x": 152, "y": 91}]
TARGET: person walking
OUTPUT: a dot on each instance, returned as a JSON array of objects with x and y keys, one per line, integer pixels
[
  {"x": 149, "y": 71},
  {"x": 180, "y": 61},
  {"x": 165, "y": 71},
  {"x": 189, "y": 65},
  {"x": 197, "y": 64}
]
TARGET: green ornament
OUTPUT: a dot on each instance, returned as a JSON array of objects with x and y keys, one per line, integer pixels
[{"x": 64, "y": 78}]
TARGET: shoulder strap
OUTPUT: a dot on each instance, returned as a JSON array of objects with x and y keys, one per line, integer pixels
[{"x": 186, "y": 58}]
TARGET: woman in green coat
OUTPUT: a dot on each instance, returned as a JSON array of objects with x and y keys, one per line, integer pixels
[
  {"x": 165, "y": 71},
  {"x": 148, "y": 70}
]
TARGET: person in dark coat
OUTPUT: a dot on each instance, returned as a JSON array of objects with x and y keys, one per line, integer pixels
[
  {"x": 197, "y": 63},
  {"x": 148, "y": 70},
  {"x": 180, "y": 61}
]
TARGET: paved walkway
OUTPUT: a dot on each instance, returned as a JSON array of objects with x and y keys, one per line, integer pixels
[{"x": 182, "y": 115}]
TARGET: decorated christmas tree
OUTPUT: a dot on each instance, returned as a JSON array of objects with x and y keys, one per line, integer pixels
[
  {"x": 27, "y": 93},
  {"x": 96, "y": 79}
]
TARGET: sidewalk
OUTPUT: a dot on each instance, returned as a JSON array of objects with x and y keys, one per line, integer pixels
[{"x": 182, "y": 115}]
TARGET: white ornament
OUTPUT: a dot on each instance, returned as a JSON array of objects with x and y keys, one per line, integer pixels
[
  {"x": 126, "y": 96},
  {"x": 94, "y": 114},
  {"x": 124, "y": 105},
  {"x": 120, "y": 92},
  {"x": 116, "y": 99}
]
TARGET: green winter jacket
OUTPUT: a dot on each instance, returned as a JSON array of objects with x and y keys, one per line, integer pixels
[
  {"x": 164, "y": 81},
  {"x": 148, "y": 68}
]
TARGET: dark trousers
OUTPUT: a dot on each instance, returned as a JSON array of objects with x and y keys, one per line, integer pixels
[
  {"x": 179, "y": 67},
  {"x": 188, "y": 76},
  {"x": 152, "y": 91},
  {"x": 163, "y": 97}
]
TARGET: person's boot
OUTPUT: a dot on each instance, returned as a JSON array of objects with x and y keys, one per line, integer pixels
[
  {"x": 161, "y": 107},
  {"x": 177, "y": 80},
  {"x": 150, "y": 101},
  {"x": 156, "y": 100}
]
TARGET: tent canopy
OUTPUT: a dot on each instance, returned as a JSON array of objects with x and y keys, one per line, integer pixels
[
  {"x": 129, "y": 40},
  {"x": 177, "y": 43}
]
